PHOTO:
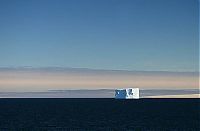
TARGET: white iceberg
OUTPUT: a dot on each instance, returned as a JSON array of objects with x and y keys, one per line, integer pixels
[{"x": 129, "y": 93}]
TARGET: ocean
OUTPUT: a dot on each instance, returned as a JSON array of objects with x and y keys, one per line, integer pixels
[{"x": 52, "y": 114}]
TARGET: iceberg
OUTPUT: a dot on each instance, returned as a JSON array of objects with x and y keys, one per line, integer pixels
[{"x": 128, "y": 93}]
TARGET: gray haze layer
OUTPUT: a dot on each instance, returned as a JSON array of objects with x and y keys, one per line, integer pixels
[{"x": 103, "y": 93}]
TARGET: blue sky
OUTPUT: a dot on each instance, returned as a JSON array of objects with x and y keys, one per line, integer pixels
[{"x": 159, "y": 35}]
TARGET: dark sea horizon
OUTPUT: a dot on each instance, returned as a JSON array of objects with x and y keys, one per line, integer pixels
[{"x": 52, "y": 114}]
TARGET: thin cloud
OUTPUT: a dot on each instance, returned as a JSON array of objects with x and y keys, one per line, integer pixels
[{"x": 43, "y": 79}]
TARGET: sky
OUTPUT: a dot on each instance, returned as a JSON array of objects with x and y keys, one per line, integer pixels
[
  {"x": 152, "y": 35},
  {"x": 47, "y": 79}
]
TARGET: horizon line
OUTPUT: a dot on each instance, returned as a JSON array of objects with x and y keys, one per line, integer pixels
[{"x": 97, "y": 69}]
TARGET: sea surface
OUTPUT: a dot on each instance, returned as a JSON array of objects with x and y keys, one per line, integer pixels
[{"x": 52, "y": 114}]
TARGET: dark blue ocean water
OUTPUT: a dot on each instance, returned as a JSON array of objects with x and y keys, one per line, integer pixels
[{"x": 99, "y": 114}]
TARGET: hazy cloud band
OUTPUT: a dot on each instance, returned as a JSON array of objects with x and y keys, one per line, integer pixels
[{"x": 42, "y": 79}]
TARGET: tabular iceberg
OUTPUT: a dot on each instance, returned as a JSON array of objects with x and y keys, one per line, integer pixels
[{"x": 129, "y": 93}]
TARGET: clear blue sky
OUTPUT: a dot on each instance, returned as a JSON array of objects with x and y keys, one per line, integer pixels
[{"x": 104, "y": 34}]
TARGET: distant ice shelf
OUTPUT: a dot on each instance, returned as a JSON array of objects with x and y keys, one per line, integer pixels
[{"x": 128, "y": 93}]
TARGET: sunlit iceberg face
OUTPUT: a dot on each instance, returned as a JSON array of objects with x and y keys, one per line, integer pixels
[{"x": 129, "y": 93}]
